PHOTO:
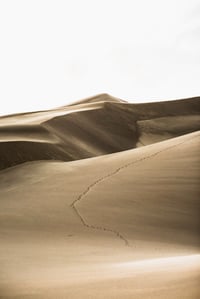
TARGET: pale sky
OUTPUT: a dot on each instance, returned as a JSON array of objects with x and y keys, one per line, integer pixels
[{"x": 56, "y": 52}]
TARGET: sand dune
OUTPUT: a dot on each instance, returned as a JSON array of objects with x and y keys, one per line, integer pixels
[
  {"x": 104, "y": 97},
  {"x": 120, "y": 225},
  {"x": 162, "y": 128},
  {"x": 93, "y": 127}
]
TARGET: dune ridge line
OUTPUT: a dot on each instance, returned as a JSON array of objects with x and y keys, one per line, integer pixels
[
  {"x": 93, "y": 127},
  {"x": 82, "y": 196}
]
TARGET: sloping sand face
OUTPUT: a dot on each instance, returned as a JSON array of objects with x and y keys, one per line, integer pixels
[
  {"x": 124, "y": 225},
  {"x": 121, "y": 225},
  {"x": 93, "y": 127}
]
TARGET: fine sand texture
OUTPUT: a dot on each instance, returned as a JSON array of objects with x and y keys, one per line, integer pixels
[
  {"x": 101, "y": 199},
  {"x": 96, "y": 126}
]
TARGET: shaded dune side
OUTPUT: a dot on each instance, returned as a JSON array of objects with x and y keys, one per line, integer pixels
[
  {"x": 68, "y": 137},
  {"x": 22, "y": 143},
  {"x": 26, "y": 133},
  {"x": 144, "y": 111},
  {"x": 156, "y": 122},
  {"x": 162, "y": 128},
  {"x": 17, "y": 152},
  {"x": 110, "y": 127},
  {"x": 96, "y": 132}
]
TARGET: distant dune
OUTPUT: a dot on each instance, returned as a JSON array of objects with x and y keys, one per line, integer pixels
[
  {"x": 96, "y": 126},
  {"x": 119, "y": 219}
]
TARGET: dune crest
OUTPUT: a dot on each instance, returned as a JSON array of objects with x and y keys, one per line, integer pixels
[
  {"x": 107, "y": 203},
  {"x": 92, "y": 127},
  {"x": 68, "y": 225}
]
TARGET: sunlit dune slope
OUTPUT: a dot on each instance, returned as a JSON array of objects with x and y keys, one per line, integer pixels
[
  {"x": 132, "y": 192},
  {"x": 92, "y": 127},
  {"x": 124, "y": 225}
]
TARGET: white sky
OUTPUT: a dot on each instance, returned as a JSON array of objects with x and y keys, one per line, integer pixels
[{"x": 56, "y": 52}]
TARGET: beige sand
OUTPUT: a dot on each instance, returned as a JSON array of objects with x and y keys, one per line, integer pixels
[
  {"x": 122, "y": 225},
  {"x": 93, "y": 127}
]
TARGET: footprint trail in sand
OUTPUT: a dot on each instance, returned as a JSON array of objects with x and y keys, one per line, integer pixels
[{"x": 90, "y": 188}]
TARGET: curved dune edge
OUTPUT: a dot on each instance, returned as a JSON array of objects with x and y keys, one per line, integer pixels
[
  {"x": 100, "y": 199},
  {"x": 93, "y": 127},
  {"x": 150, "y": 195}
]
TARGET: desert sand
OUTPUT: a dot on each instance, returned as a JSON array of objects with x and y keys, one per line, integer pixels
[{"x": 101, "y": 199}]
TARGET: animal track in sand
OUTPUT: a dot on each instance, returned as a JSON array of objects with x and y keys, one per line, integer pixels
[{"x": 101, "y": 179}]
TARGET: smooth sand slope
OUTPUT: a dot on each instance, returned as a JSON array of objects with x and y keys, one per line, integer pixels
[
  {"x": 119, "y": 226},
  {"x": 96, "y": 126}
]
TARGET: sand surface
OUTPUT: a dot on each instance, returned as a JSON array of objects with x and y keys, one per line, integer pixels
[{"x": 121, "y": 223}]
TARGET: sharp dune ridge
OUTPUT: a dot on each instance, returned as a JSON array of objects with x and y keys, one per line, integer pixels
[
  {"x": 100, "y": 199},
  {"x": 104, "y": 97},
  {"x": 92, "y": 127}
]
